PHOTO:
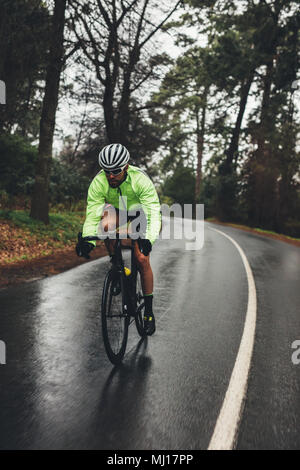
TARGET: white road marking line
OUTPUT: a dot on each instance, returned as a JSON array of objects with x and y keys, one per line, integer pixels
[
  {"x": 226, "y": 428},
  {"x": 165, "y": 312}
]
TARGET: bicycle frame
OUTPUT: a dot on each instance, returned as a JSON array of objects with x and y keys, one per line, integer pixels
[
  {"x": 129, "y": 281},
  {"x": 118, "y": 264},
  {"x": 131, "y": 307}
]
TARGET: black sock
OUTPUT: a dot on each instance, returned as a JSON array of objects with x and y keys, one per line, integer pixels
[{"x": 148, "y": 304}]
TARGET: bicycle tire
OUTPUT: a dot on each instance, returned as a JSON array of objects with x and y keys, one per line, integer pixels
[
  {"x": 140, "y": 306},
  {"x": 114, "y": 318}
]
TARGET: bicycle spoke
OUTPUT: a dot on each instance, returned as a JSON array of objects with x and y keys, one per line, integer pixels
[
  {"x": 114, "y": 320},
  {"x": 139, "y": 316}
]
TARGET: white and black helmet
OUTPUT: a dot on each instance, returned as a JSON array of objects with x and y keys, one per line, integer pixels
[{"x": 113, "y": 156}]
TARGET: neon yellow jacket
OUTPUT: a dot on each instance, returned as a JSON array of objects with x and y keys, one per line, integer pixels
[{"x": 140, "y": 193}]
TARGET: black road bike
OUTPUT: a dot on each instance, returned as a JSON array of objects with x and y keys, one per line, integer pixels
[{"x": 122, "y": 302}]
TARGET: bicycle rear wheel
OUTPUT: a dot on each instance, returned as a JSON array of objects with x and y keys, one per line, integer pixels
[
  {"x": 115, "y": 319},
  {"x": 140, "y": 307}
]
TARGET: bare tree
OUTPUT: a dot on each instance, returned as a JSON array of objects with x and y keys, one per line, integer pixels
[
  {"x": 40, "y": 198},
  {"x": 113, "y": 38}
]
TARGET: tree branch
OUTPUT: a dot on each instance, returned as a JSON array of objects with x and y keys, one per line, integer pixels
[
  {"x": 139, "y": 29},
  {"x": 126, "y": 10},
  {"x": 104, "y": 14},
  {"x": 82, "y": 43},
  {"x": 73, "y": 50},
  {"x": 160, "y": 25}
]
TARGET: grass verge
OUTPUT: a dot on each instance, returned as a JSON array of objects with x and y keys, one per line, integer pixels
[
  {"x": 23, "y": 238},
  {"x": 259, "y": 231}
]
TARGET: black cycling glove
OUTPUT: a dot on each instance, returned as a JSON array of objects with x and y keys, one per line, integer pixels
[
  {"x": 145, "y": 246},
  {"x": 83, "y": 248}
]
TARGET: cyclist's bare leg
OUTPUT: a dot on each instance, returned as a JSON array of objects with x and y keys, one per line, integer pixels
[
  {"x": 109, "y": 222},
  {"x": 145, "y": 269}
]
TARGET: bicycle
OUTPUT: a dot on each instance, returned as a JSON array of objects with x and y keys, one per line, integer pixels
[{"x": 122, "y": 302}]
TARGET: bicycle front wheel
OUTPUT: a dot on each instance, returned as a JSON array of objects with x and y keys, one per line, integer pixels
[
  {"x": 115, "y": 319},
  {"x": 140, "y": 307}
]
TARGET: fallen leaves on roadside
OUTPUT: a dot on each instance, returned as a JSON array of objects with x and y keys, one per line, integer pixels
[{"x": 18, "y": 243}]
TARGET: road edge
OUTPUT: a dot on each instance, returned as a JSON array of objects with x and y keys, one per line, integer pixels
[{"x": 226, "y": 428}]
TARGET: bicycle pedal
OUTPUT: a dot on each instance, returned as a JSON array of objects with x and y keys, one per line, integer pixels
[{"x": 116, "y": 289}]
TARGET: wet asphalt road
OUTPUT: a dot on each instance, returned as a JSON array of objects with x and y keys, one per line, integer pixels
[{"x": 59, "y": 391}]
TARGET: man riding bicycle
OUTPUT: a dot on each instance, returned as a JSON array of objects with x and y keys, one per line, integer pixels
[{"x": 124, "y": 192}]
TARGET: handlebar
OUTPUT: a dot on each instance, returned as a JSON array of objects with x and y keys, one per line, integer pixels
[
  {"x": 95, "y": 238},
  {"x": 90, "y": 239}
]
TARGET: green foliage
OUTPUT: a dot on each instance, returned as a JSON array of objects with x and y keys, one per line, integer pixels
[
  {"x": 227, "y": 191},
  {"x": 257, "y": 42},
  {"x": 24, "y": 41},
  {"x": 17, "y": 169},
  {"x": 67, "y": 185},
  {"x": 63, "y": 227},
  {"x": 178, "y": 107},
  {"x": 145, "y": 138},
  {"x": 180, "y": 187},
  {"x": 208, "y": 196},
  {"x": 166, "y": 199},
  {"x": 270, "y": 186},
  {"x": 17, "y": 164}
]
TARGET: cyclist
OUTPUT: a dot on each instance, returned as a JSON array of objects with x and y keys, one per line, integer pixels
[{"x": 120, "y": 184}]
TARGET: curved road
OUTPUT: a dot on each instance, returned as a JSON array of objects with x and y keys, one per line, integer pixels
[{"x": 59, "y": 391}]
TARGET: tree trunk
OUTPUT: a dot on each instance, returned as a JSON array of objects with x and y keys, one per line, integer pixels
[
  {"x": 4, "y": 28},
  {"x": 109, "y": 115},
  {"x": 264, "y": 177},
  {"x": 200, "y": 144},
  {"x": 23, "y": 129},
  {"x": 227, "y": 192},
  {"x": 40, "y": 198},
  {"x": 265, "y": 123},
  {"x": 234, "y": 144},
  {"x": 123, "y": 118},
  {"x": 124, "y": 112}
]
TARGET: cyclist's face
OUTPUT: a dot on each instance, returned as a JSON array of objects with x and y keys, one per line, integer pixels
[{"x": 115, "y": 180}]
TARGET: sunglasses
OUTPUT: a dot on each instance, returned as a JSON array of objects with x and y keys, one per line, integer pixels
[{"x": 116, "y": 172}]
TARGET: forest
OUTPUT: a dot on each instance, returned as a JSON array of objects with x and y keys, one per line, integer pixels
[{"x": 203, "y": 93}]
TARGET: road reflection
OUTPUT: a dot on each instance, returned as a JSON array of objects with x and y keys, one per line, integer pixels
[{"x": 121, "y": 400}]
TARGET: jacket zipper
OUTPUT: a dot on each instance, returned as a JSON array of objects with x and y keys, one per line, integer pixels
[{"x": 120, "y": 192}]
